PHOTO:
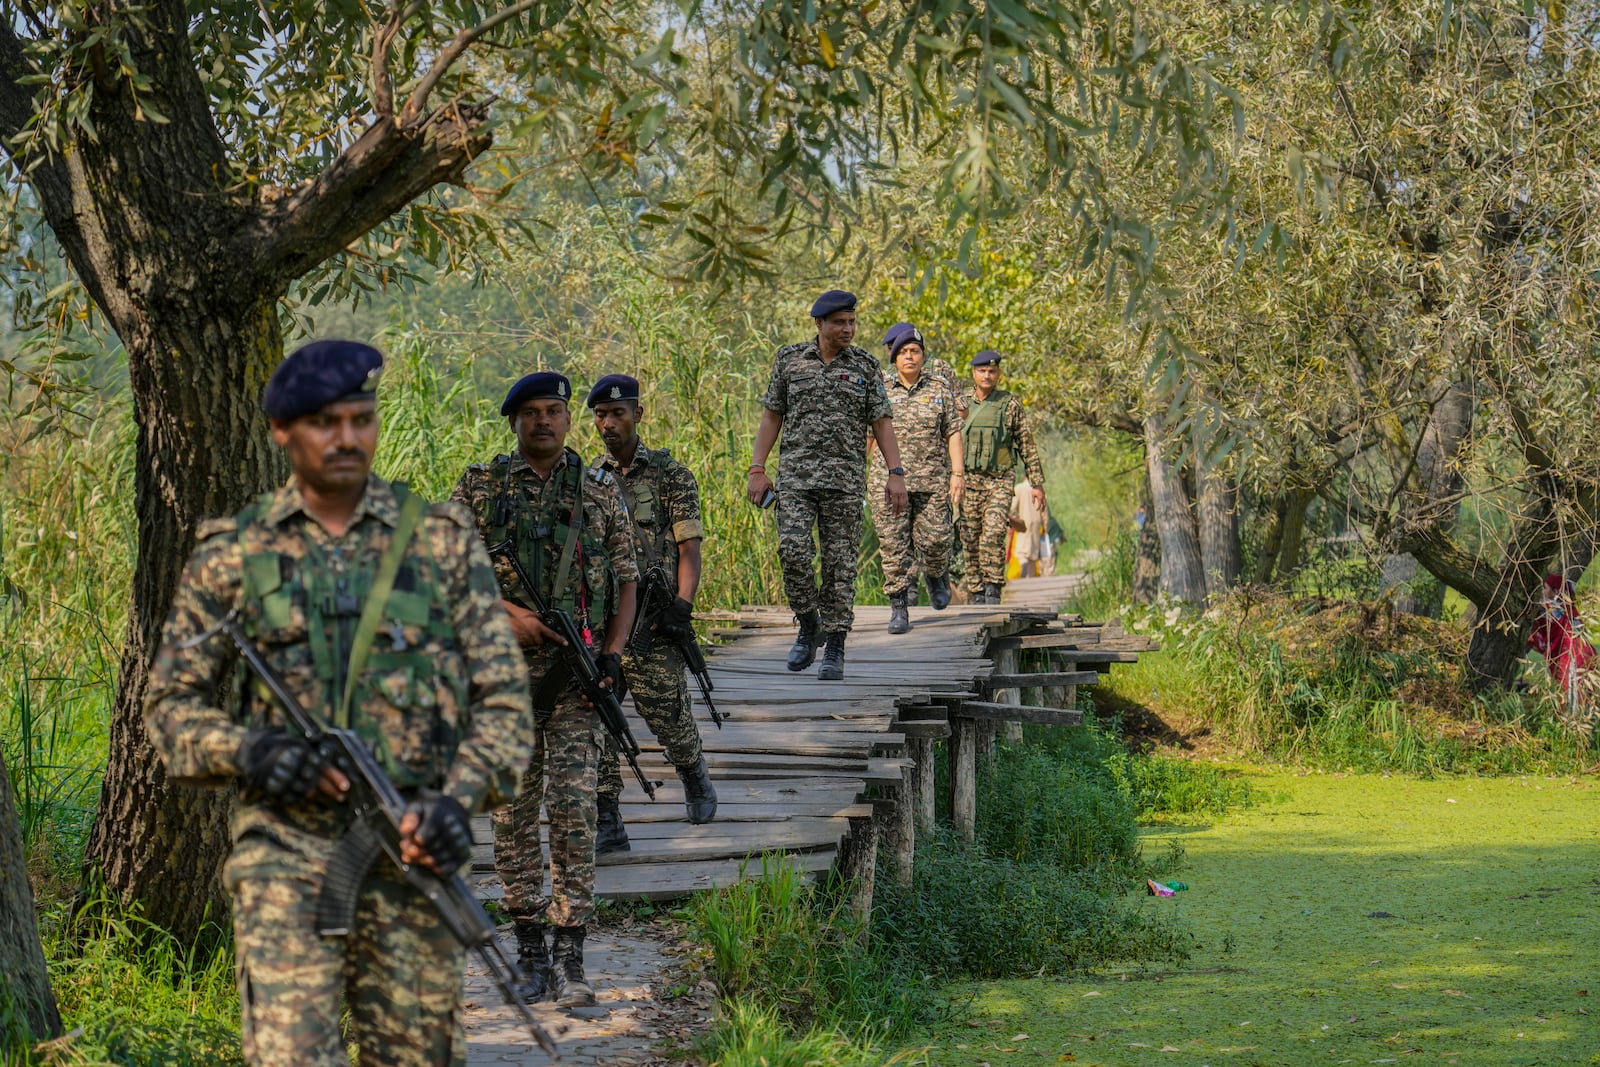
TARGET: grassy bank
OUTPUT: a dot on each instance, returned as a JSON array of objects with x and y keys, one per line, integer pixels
[{"x": 1346, "y": 919}]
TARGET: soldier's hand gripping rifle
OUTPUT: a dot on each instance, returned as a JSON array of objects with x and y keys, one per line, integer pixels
[
  {"x": 379, "y": 808},
  {"x": 580, "y": 661},
  {"x": 655, "y": 597}
]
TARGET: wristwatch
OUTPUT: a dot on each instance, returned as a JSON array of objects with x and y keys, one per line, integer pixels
[{"x": 901, "y": 471}]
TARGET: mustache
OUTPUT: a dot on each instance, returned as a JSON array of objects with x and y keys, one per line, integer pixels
[{"x": 345, "y": 453}]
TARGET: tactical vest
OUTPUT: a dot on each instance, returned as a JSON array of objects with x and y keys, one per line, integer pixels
[
  {"x": 541, "y": 534},
  {"x": 648, "y": 511},
  {"x": 291, "y": 599},
  {"x": 986, "y": 436}
]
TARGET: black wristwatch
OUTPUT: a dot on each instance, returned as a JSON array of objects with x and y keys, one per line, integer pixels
[{"x": 901, "y": 471}]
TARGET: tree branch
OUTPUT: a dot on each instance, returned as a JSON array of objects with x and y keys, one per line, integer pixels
[
  {"x": 1451, "y": 564},
  {"x": 416, "y": 105},
  {"x": 382, "y": 40},
  {"x": 384, "y": 170}
]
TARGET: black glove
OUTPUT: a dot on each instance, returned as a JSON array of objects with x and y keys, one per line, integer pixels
[
  {"x": 279, "y": 764},
  {"x": 610, "y": 664},
  {"x": 445, "y": 829},
  {"x": 678, "y": 618}
]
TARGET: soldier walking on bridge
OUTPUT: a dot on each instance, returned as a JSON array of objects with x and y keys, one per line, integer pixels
[
  {"x": 571, "y": 534},
  {"x": 824, "y": 397},
  {"x": 996, "y": 437},
  {"x": 664, "y": 502},
  {"x": 929, "y": 435}
]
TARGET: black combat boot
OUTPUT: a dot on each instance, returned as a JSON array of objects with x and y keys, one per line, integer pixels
[
  {"x": 805, "y": 645},
  {"x": 533, "y": 959},
  {"x": 609, "y": 833},
  {"x": 899, "y": 617},
  {"x": 991, "y": 593},
  {"x": 832, "y": 669},
  {"x": 939, "y": 592},
  {"x": 699, "y": 798},
  {"x": 567, "y": 984}
]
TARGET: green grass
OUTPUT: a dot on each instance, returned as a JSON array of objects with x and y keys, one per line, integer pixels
[{"x": 1361, "y": 919}]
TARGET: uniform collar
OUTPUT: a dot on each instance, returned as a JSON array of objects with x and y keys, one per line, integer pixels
[
  {"x": 813, "y": 350},
  {"x": 519, "y": 463},
  {"x": 896, "y": 383},
  {"x": 642, "y": 457},
  {"x": 378, "y": 501}
]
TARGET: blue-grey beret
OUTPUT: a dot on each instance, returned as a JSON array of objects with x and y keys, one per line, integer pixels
[
  {"x": 900, "y": 335},
  {"x": 316, "y": 374},
  {"x": 540, "y": 385},
  {"x": 986, "y": 357},
  {"x": 831, "y": 301},
  {"x": 614, "y": 387}
]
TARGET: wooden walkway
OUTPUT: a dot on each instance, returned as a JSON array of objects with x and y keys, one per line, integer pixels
[{"x": 820, "y": 770}]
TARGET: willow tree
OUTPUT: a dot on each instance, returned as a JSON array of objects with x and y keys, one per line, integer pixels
[{"x": 202, "y": 165}]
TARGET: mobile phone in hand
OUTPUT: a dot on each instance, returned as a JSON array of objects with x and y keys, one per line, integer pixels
[{"x": 769, "y": 498}]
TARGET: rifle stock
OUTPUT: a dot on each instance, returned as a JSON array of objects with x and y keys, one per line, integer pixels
[
  {"x": 580, "y": 661},
  {"x": 379, "y": 808}
]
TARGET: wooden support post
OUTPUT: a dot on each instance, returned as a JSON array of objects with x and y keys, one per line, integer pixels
[
  {"x": 963, "y": 777},
  {"x": 898, "y": 830},
  {"x": 921, "y": 749},
  {"x": 1006, "y": 661},
  {"x": 1060, "y": 696},
  {"x": 858, "y": 863}
]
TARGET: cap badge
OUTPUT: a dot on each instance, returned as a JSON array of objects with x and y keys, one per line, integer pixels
[{"x": 616, "y": 392}]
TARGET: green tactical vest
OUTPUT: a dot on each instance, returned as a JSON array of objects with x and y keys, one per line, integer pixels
[
  {"x": 985, "y": 436},
  {"x": 541, "y": 534},
  {"x": 291, "y": 599}
]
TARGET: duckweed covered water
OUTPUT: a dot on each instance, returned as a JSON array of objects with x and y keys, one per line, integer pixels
[{"x": 1347, "y": 920}]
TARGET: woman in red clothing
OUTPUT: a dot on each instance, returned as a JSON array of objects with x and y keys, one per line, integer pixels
[{"x": 1559, "y": 635}]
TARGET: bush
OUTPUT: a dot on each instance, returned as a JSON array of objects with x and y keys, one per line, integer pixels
[
  {"x": 970, "y": 914},
  {"x": 1036, "y": 805}
]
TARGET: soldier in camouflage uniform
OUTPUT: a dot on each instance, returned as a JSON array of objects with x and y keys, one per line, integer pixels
[
  {"x": 933, "y": 366},
  {"x": 996, "y": 437},
  {"x": 664, "y": 502},
  {"x": 583, "y": 560},
  {"x": 929, "y": 433},
  {"x": 438, "y": 693},
  {"x": 825, "y": 396}
]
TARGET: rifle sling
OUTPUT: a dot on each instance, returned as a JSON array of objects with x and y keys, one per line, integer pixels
[{"x": 382, "y": 585}]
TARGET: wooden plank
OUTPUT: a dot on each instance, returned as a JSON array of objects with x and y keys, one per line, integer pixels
[
  {"x": 1097, "y": 655},
  {"x": 1039, "y": 678},
  {"x": 922, "y": 768},
  {"x": 932, "y": 729},
  {"x": 963, "y": 778},
  {"x": 987, "y": 711},
  {"x": 669, "y": 881},
  {"x": 1066, "y": 639}
]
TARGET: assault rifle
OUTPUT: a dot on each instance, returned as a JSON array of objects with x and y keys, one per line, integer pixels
[
  {"x": 655, "y": 597},
  {"x": 379, "y": 807},
  {"x": 580, "y": 661}
]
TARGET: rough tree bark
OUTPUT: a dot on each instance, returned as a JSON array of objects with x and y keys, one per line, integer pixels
[
  {"x": 1292, "y": 531},
  {"x": 27, "y": 1004},
  {"x": 1147, "y": 554},
  {"x": 190, "y": 273},
  {"x": 1217, "y": 520},
  {"x": 1434, "y": 482},
  {"x": 1182, "y": 573}
]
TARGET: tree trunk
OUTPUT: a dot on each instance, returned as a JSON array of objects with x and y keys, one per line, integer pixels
[
  {"x": 27, "y": 1004},
  {"x": 1436, "y": 485},
  {"x": 1267, "y": 561},
  {"x": 1147, "y": 554},
  {"x": 1292, "y": 531},
  {"x": 1217, "y": 519},
  {"x": 1182, "y": 573}
]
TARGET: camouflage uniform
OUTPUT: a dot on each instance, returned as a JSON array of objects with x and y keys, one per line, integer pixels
[
  {"x": 664, "y": 502},
  {"x": 986, "y": 503},
  {"x": 443, "y": 704},
  {"x": 566, "y": 729},
  {"x": 924, "y": 421},
  {"x": 828, "y": 410},
  {"x": 941, "y": 371}
]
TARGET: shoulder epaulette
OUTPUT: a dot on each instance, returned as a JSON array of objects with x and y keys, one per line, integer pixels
[
  {"x": 212, "y": 527},
  {"x": 601, "y": 476}
]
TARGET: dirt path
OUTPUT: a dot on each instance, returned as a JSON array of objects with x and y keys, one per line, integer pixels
[
  {"x": 1347, "y": 920},
  {"x": 636, "y": 1023}
]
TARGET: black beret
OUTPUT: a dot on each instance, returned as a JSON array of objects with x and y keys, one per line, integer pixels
[
  {"x": 316, "y": 374},
  {"x": 614, "y": 387},
  {"x": 831, "y": 301},
  {"x": 540, "y": 385},
  {"x": 986, "y": 357},
  {"x": 900, "y": 335}
]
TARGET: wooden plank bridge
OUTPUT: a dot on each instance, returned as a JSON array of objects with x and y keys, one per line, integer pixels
[{"x": 821, "y": 771}]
